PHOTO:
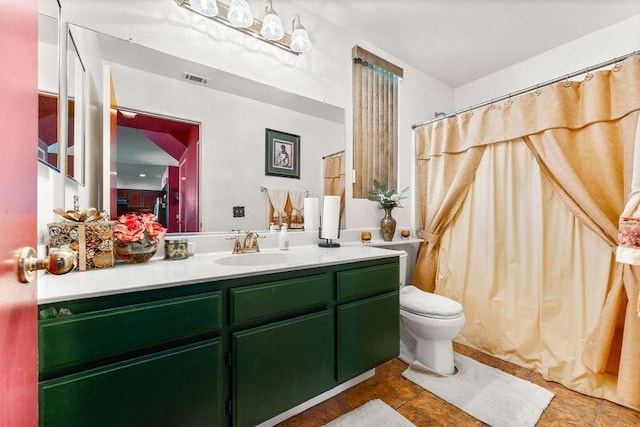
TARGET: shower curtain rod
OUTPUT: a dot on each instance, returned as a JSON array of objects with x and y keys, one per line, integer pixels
[
  {"x": 265, "y": 190},
  {"x": 333, "y": 154},
  {"x": 531, "y": 88}
]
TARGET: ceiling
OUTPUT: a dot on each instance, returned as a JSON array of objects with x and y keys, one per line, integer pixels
[{"x": 458, "y": 41}]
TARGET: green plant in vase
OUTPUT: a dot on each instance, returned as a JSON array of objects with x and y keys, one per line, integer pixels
[
  {"x": 137, "y": 237},
  {"x": 387, "y": 199}
]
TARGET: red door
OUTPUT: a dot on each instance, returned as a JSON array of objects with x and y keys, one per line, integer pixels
[{"x": 18, "y": 133}]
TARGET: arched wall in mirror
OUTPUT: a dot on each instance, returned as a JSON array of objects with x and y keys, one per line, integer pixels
[{"x": 158, "y": 169}]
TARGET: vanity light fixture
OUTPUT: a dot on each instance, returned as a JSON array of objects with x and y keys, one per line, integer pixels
[
  {"x": 237, "y": 15},
  {"x": 271, "y": 25}
]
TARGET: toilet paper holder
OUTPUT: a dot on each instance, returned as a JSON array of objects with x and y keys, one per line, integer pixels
[{"x": 328, "y": 242}]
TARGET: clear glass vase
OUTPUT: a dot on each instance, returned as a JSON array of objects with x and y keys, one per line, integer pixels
[{"x": 136, "y": 252}]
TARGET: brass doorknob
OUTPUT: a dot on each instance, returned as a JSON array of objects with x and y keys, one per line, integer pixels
[{"x": 59, "y": 261}]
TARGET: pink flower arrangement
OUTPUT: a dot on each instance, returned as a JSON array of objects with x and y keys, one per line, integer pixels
[{"x": 137, "y": 228}]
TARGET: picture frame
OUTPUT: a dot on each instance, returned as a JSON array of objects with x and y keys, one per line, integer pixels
[{"x": 282, "y": 154}]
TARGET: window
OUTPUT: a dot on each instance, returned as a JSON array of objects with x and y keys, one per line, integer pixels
[{"x": 375, "y": 121}]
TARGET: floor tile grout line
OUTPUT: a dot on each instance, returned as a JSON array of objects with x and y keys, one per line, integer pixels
[{"x": 598, "y": 412}]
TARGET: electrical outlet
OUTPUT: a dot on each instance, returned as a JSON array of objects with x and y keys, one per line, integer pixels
[
  {"x": 76, "y": 202},
  {"x": 238, "y": 211}
]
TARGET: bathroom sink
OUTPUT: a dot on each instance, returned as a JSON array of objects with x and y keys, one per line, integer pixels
[{"x": 256, "y": 259}]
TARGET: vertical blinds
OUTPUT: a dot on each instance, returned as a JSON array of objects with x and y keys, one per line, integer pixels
[{"x": 375, "y": 121}]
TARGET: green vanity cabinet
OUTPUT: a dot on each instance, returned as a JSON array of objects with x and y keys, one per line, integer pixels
[
  {"x": 229, "y": 352},
  {"x": 280, "y": 365}
]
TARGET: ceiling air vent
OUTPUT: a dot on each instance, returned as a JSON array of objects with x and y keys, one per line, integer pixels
[{"x": 194, "y": 78}]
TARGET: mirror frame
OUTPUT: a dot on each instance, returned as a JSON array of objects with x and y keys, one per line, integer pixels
[
  {"x": 78, "y": 113},
  {"x": 56, "y": 167}
]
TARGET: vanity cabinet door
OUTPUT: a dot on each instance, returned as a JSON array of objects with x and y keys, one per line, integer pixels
[
  {"x": 178, "y": 387},
  {"x": 281, "y": 365},
  {"x": 368, "y": 334}
]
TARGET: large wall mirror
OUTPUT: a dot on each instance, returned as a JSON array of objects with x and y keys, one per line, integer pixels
[{"x": 221, "y": 118}]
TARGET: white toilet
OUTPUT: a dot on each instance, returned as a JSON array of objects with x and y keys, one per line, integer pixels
[{"x": 428, "y": 324}]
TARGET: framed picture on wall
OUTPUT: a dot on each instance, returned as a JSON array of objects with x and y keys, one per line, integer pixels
[{"x": 282, "y": 154}]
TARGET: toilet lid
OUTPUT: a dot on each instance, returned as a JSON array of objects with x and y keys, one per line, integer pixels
[{"x": 424, "y": 303}]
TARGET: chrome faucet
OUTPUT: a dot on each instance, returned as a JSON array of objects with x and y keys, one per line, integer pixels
[{"x": 250, "y": 243}]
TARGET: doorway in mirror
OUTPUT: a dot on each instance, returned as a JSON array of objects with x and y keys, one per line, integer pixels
[{"x": 157, "y": 169}]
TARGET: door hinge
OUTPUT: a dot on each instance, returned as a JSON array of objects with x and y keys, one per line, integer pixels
[
  {"x": 229, "y": 359},
  {"x": 229, "y": 407}
]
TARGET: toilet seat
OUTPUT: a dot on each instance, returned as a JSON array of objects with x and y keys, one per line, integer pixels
[{"x": 427, "y": 304}]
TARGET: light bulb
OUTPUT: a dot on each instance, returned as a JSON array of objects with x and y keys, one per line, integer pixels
[
  {"x": 300, "y": 40},
  {"x": 240, "y": 14},
  {"x": 272, "y": 27},
  {"x": 205, "y": 7}
]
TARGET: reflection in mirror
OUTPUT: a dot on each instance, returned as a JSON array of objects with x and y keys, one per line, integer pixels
[
  {"x": 48, "y": 91},
  {"x": 232, "y": 113},
  {"x": 75, "y": 111},
  {"x": 157, "y": 163}
]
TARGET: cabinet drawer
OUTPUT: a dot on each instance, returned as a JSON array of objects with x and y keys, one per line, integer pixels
[
  {"x": 178, "y": 387},
  {"x": 87, "y": 337},
  {"x": 367, "y": 281},
  {"x": 260, "y": 302}
]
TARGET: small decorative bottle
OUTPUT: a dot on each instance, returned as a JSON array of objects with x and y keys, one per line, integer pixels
[{"x": 283, "y": 239}]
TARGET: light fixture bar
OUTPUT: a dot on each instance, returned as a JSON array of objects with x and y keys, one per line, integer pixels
[{"x": 253, "y": 30}]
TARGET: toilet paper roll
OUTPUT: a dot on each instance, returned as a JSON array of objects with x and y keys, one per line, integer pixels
[
  {"x": 311, "y": 213},
  {"x": 330, "y": 217}
]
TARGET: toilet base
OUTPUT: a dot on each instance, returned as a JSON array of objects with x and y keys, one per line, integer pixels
[
  {"x": 434, "y": 354},
  {"x": 437, "y": 355}
]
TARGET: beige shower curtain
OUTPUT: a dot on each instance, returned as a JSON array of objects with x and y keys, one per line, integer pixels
[
  {"x": 532, "y": 278},
  {"x": 580, "y": 134}
]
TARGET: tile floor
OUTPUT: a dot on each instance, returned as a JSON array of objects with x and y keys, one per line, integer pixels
[{"x": 568, "y": 408}]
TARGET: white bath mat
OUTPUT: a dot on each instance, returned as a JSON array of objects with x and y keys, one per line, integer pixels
[
  {"x": 374, "y": 413},
  {"x": 486, "y": 393}
]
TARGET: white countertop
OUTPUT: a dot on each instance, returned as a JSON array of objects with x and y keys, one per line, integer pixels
[{"x": 159, "y": 273}]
